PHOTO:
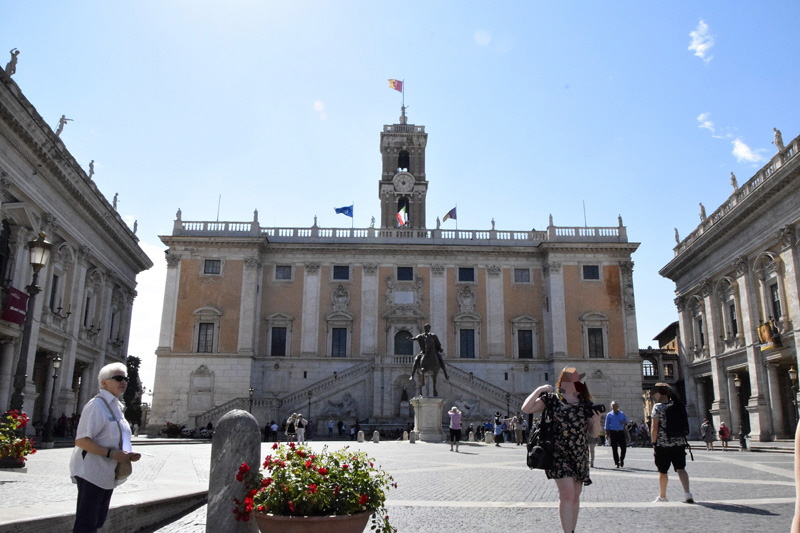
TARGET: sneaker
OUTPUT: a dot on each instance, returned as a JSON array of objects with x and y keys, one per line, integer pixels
[
  {"x": 660, "y": 500},
  {"x": 688, "y": 497}
]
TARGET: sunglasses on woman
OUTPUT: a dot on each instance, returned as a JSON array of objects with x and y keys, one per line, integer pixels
[{"x": 120, "y": 378}]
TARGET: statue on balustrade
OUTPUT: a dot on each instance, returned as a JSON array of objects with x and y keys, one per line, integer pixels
[{"x": 778, "y": 142}]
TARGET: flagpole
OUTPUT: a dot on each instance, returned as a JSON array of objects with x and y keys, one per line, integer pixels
[
  {"x": 353, "y": 218},
  {"x": 456, "y": 218},
  {"x": 404, "y": 94}
]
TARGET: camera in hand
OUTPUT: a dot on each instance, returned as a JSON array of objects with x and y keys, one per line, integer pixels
[{"x": 599, "y": 408}]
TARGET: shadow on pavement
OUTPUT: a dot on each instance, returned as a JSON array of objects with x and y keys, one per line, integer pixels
[{"x": 741, "y": 509}]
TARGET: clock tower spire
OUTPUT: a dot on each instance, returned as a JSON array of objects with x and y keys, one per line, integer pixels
[{"x": 403, "y": 186}]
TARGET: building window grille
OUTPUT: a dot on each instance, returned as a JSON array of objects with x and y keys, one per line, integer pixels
[
  {"x": 205, "y": 337},
  {"x": 525, "y": 343},
  {"x": 278, "y": 347},
  {"x": 591, "y": 272},
  {"x": 775, "y": 298},
  {"x": 212, "y": 266},
  {"x": 467, "y": 344},
  {"x": 522, "y": 275},
  {"x": 649, "y": 369},
  {"x": 734, "y": 322},
  {"x": 338, "y": 342},
  {"x": 595, "y": 338},
  {"x": 403, "y": 345},
  {"x": 341, "y": 272},
  {"x": 283, "y": 272}
]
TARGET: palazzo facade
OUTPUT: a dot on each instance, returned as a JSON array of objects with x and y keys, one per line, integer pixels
[
  {"x": 82, "y": 314},
  {"x": 738, "y": 298},
  {"x": 320, "y": 320}
]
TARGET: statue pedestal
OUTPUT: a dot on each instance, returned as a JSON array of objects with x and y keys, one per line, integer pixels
[{"x": 428, "y": 419}]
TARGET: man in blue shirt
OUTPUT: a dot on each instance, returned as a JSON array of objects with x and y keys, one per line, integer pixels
[{"x": 615, "y": 431}]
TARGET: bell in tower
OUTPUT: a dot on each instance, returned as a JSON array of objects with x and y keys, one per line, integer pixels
[{"x": 403, "y": 187}]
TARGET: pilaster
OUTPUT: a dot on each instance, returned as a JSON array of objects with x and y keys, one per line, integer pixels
[
  {"x": 369, "y": 309},
  {"x": 554, "y": 281},
  {"x": 166, "y": 337},
  {"x": 309, "y": 341},
  {"x": 495, "y": 319},
  {"x": 248, "y": 306}
]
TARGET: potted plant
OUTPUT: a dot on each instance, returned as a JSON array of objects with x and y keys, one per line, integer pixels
[
  {"x": 13, "y": 447},
  {"x": 302, "y": 490}
]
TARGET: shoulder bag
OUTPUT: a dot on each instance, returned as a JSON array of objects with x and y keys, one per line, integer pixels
[
  {"x": 125, "y": 468},
  {"x": 540, "y": 443}
]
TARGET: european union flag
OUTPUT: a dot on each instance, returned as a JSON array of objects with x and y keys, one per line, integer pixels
[{"x": 347, "y": 211}]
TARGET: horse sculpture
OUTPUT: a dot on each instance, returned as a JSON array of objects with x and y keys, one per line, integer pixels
[{"x": 429, "y": 359}]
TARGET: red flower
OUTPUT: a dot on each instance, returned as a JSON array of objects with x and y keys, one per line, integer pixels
[
  {"x": 309, "y": 464},
  {"x": 323, "y": 471},
  {"x": 363, "y": 499},
  {"x": 291, "y": 506},
  {"x": 345, "y": 467},
  {"x": 312, "y": 489},
  {"x": 275, "y": 446}
]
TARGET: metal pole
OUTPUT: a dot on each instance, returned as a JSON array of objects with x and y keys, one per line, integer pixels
[
  {"x": 742, "y": 438},
  {"x": 21, "y": 377},
  {"x": 47, "y": 434}
]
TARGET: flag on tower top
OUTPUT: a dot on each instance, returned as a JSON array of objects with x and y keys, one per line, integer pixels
[
  {"x": 401, "y": 216},
  {"x": 450, "y": 214},
  {"x": 397, "y": 85}
]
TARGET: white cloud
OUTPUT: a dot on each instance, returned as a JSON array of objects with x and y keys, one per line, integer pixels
[
  {"x": 705, "y": 123},
  {"x": 482, "y": 37},
  {"x": 745, "y": 154},
  {"x": 319, "y": 107},
  {"x": 701, "y": 42}
]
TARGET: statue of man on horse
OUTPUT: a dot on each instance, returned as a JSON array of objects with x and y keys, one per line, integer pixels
[{"x": 429, "y": 360}]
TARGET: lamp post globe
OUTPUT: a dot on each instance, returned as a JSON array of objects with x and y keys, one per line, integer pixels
[{"x": 39, "y": 255}]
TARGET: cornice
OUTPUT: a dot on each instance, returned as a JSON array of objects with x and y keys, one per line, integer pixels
[{"x": 46, "y": 154}]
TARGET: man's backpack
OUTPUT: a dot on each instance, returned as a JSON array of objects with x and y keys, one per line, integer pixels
[{"x": 677, "y": 423}]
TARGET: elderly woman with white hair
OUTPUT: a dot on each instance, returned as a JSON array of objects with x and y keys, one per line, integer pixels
[{"x": 102, "y": 441}]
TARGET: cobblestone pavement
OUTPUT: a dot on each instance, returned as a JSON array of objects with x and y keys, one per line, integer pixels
[{"x": 488, "y": 488}]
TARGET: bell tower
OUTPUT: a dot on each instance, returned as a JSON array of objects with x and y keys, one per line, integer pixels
[{"x": 403, "y": 185}]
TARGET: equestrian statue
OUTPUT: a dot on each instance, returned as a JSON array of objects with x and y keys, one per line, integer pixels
[{"x": 429, "y": 360}]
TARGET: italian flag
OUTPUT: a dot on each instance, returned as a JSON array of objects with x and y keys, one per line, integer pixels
[{"x": 401, "y": 217}]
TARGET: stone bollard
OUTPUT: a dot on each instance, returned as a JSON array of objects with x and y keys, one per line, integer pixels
[
  {"x": 405, "y": 435},
  {"x": 237, "y": 440},
  {"x": 488, "y": 438},
  {"x": 376, "y": 436},
  {"x": 472, "y": 436},
  {"x": 360, "y": 436},
  {"x": 412, "y": 437}
]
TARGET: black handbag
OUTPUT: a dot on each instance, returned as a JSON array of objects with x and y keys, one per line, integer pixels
[{"x": 540, "y": 443}]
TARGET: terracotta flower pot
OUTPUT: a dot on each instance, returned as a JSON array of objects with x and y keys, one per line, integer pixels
[{"x": 351, "y": 523}]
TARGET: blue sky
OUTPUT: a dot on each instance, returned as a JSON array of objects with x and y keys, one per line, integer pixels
[{"x": 532, "y": 108}]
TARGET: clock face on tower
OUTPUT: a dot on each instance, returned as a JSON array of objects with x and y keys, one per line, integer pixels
[{"x": 403, "y": 182}]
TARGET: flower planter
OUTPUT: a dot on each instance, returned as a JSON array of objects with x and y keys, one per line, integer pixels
[
  {"x": 12, "y": 462},
  {"x": 351, "y": 523}
]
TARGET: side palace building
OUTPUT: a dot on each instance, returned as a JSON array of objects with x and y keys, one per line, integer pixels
[
  {"x": 320, "y": 320},
  {"x": 737, "y": 281}
]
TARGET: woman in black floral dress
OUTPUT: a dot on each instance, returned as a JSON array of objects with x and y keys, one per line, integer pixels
[{"x": 574, "y": 421}]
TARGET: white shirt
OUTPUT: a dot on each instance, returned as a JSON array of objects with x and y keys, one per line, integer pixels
[{"x": 101, "y": 426}]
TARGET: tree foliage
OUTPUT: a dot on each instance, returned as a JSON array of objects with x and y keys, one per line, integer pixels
[{"x": 133, "y": 394}]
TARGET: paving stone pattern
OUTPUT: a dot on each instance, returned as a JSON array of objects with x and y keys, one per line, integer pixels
[
  {"x": 485, "y": 488},
  {"x": 482, "y": 488}
]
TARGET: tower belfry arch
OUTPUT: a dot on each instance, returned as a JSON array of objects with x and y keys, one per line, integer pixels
[{"x": 403, "y": 182}]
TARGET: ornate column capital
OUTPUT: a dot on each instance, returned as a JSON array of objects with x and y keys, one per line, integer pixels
[
  {"x": 172, "y": 260},
  {"x": 312, "y": 268}
]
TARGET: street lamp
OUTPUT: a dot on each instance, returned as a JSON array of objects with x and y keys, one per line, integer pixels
[
  {"x": 252, "y": 392},
  {"x": 793, "y": 377},
  {"x": 40, "y": 253},
  {"x": 47, "y": 434},
  {"x": 308, "y": 413},
  {"x": 508, "y": 404},
  {"x": 742, "y": 441}
]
